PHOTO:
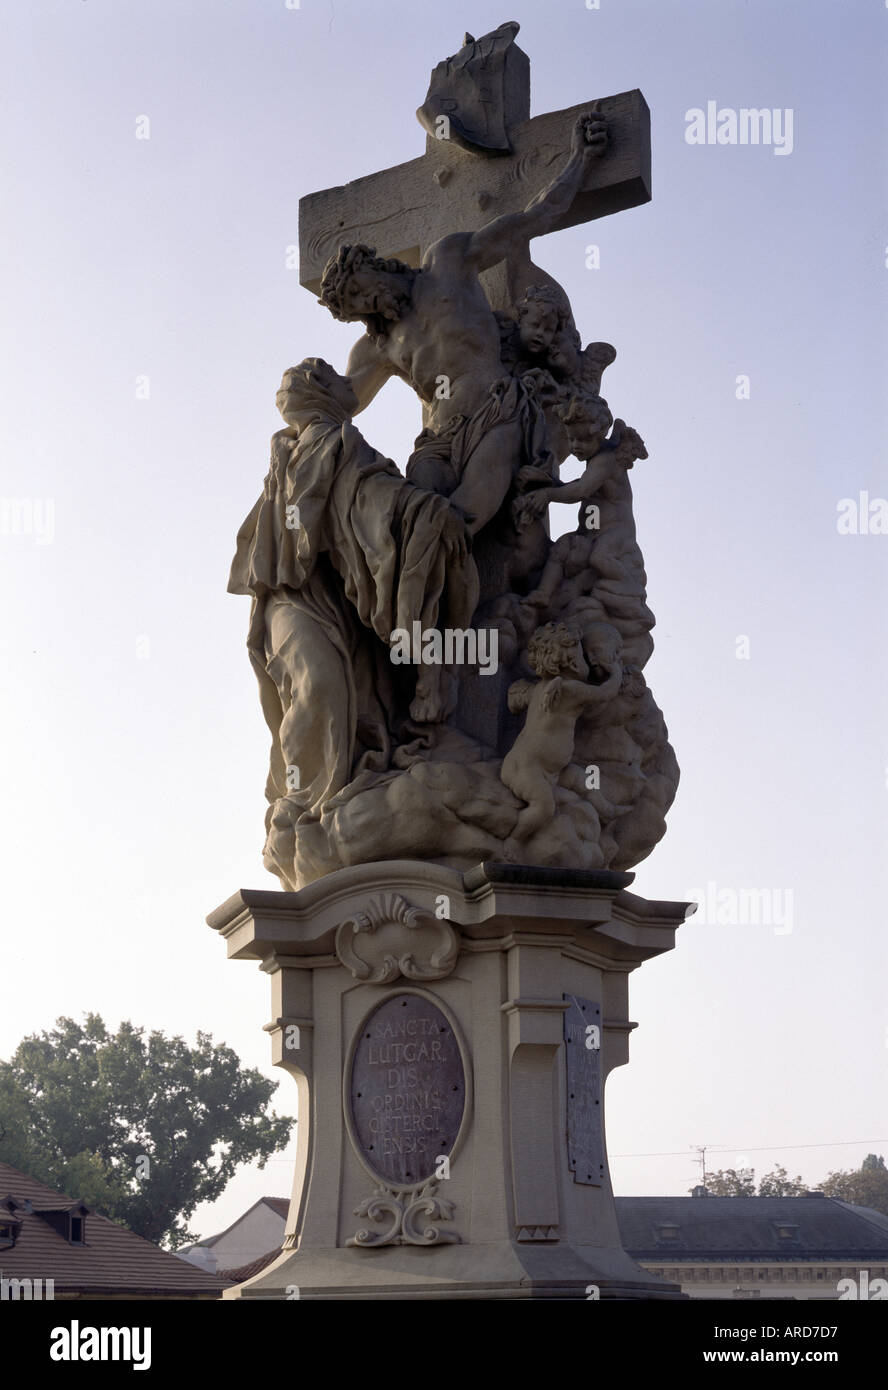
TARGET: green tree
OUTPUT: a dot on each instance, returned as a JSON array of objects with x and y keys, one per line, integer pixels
[
  {"x": 731, "y": 1182},
  {"x": 142, "y": 1127},
  {"x": 778, "y": 1183},
  {"x": 866, "y": 1186}
]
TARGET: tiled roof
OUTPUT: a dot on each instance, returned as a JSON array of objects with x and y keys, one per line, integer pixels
[
  {"x": 878, "y": 1218},
  {"x": 721, "y": 1228},
  {"x": 112, "y": 1259},
  {"x": 237, "y": 1276},
  {"x": 279, "y": 1204}
]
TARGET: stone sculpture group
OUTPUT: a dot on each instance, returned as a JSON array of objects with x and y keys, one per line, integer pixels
[{"x": 376, "y": 593}]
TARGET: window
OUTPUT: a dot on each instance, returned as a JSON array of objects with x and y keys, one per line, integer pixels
[
  {"x": 8, "y": 1233},
  {"x": 69, "y": 1222},
  {"x": 667, "y": 1232}
]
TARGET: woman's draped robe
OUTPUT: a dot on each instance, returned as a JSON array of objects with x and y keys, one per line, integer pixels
[{"x": 362, "y": 555}]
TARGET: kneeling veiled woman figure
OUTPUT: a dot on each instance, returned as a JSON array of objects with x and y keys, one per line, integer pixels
[{"x": 338, "y": 552}]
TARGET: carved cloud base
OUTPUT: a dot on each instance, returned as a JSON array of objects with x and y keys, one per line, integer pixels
[{"x": 450, "y": 1034}]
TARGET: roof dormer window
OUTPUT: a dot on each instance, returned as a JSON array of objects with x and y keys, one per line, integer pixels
[
  {"x": 10, "y": 1224},
  {"x": 70, "y": 1222},
  {"x": 9, "y": 1230}
]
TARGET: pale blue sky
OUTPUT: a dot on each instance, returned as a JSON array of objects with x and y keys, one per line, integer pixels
[{"x": 133, "y": 783}]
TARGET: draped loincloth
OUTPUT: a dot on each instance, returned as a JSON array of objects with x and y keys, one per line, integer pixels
[{"x": 439, "y": 457}]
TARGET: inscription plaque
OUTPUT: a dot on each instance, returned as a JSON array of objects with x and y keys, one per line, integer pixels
[
  {"x": 407, "y": 1090},
  {"x": 582, "y": 1047}
]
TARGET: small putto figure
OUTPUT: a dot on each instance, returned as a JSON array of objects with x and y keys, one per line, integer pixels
[{"x": 554, "y": 703}]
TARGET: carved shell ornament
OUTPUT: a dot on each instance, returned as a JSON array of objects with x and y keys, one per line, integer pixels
[{"x": 391, "y": 937}]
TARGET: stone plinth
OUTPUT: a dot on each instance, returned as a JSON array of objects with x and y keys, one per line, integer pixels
[{"x": 450, "y": 1034}]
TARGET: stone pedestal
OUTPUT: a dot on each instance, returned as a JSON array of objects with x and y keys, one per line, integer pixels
[{"x": 450, "y": 1034}]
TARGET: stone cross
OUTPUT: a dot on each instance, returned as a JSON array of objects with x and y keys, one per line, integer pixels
[{"x": 451, "y": 188}]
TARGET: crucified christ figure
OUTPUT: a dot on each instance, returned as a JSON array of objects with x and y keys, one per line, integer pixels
[{"x": 434, "y": 328}]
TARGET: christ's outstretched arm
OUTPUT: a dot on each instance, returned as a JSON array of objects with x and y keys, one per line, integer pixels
[{"x": 506, "y": 235}]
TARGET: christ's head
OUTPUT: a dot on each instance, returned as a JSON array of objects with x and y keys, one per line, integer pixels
[{"x": 359, "y": 285}]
